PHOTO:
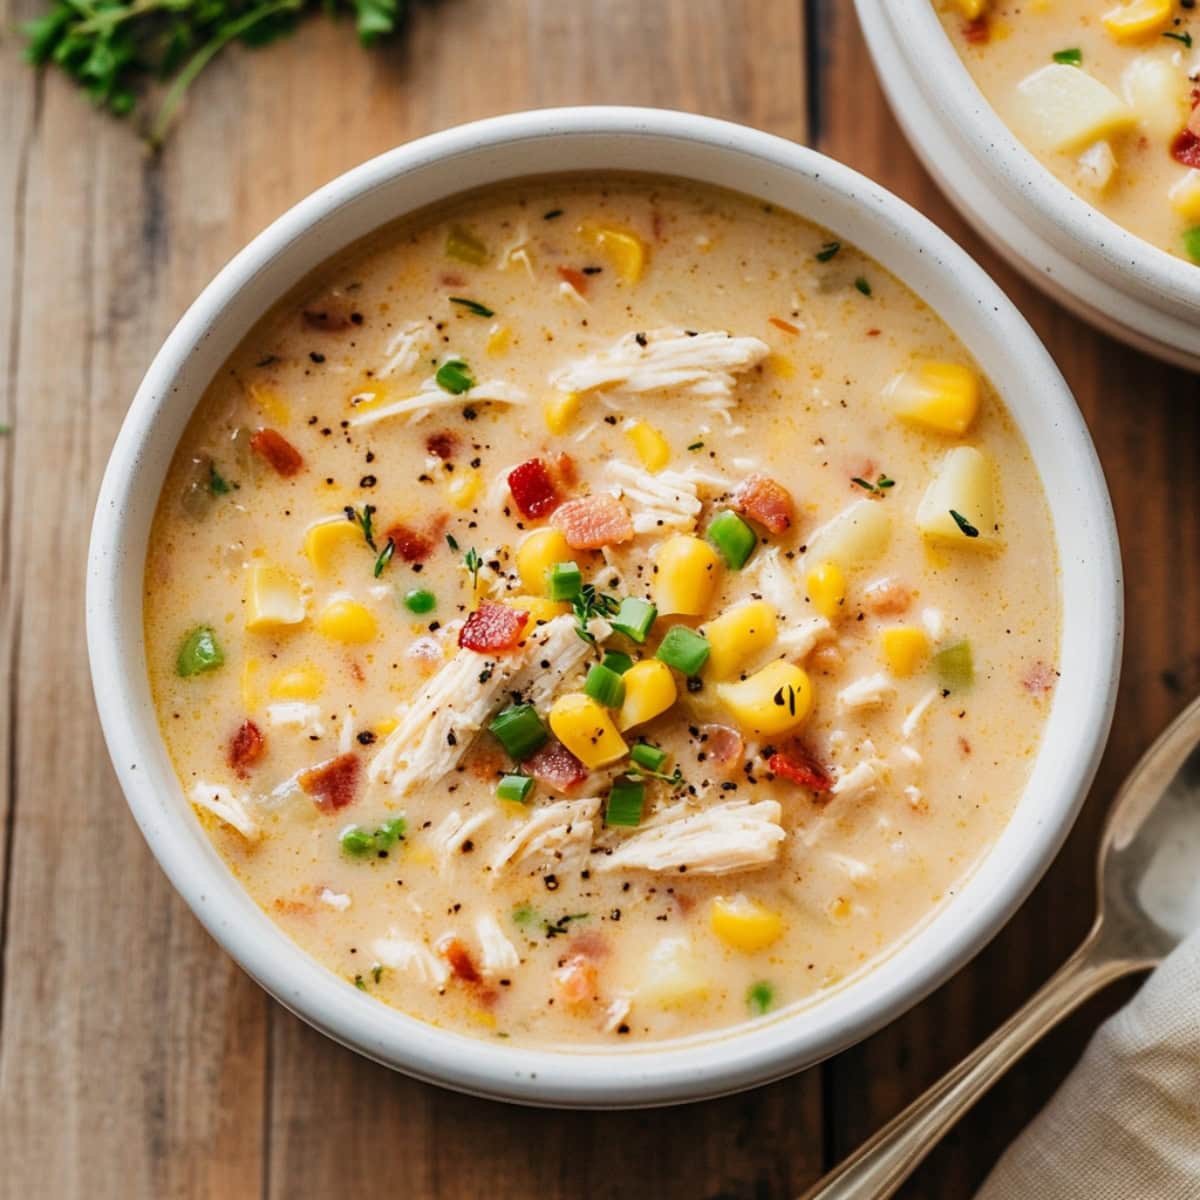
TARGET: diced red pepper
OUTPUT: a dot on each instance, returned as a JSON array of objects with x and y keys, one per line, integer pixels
[
  {"x": 577, "y": 279},
  {"x": 458, "y": 956},
  {"x": 333, "y": 784},
  {"x": 977, "y": 31},
  {"x": 533, "y": 488},
  {"x": 442, "y": 444},
  {"x": 493, "y": 627},
  {"x": 766, "y": 501},
  {"x": 246, "y": 747},
  {"x": 1186, "y": 148},
  {"x": 276, "y": 450},
  {"x": 410, "y": 545},
  {"x": 594, "y": 521},
  {"x": 555, "y": 767},
  {"x": 797, "y": 765}
]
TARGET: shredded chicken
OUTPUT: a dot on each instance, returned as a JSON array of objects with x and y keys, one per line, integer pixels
[
  {"x": 453, "y": 831},
  {"x": 723, "y": 838},
  {"x": 560, "y": 833},
  {"x": 667, "y": 500},
  {"x": 800, "y": 640},
  {"x": 854, "y": 869},
  {"x": 861, "y": 780},
  {"x": 499, "y": 954},
  {"x": 403, "y": 349},
  {"x": 296, "y": 714},
  {"x": 338, "y": 900},
  {"x": 916, "y": 714},
  {"x": 871, "y": 691},
  {"x": 402, "y": 954},
  {"x": 226, "y": 807},
  {"x": 430, "y": 396}
]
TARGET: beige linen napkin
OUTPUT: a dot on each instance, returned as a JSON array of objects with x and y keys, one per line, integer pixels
[{"x": 1126, "y": 1123}]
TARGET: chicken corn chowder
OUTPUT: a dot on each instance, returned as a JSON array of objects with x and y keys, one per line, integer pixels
[
  {"x": 1105, "y": 95},
  {"x": 601, "y": 609}
]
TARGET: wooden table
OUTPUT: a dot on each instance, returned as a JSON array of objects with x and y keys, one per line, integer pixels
[{"x": 135, "y": 1059}]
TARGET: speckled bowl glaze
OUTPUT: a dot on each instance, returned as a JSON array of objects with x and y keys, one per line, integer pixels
[
  {"x": 1102, "y": 272},
  {"x": 590, "y": 139}
]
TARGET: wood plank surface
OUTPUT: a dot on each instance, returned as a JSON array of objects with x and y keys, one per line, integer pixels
[{"x": 135, "y": 1059}]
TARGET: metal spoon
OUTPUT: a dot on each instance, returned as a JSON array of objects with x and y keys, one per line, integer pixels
[{"x": 1149, "y": 900}]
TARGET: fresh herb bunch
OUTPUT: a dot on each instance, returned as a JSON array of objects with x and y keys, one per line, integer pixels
[{"x": 114, "y": 49}]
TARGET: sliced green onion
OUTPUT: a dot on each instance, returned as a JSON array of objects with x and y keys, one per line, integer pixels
[
  {"x": 615, "y": 660},
  {"x": 684, "y": 649},
  {"x": 1191, "y": 243},
  {"x": 420, "y": 601},
  {"x": 519, "y": 730},
  {"x": 390, "y": 832},
  {"x": 465, "y": 246},
  {"x": 605, "y": 685},
  {"x": 650, "y": 757},
  {"x": 955, "y": 666},
  {"x": 827, "y": 251},
  {"x": 625, "y": 803},
  {"x": 760, "y": 997},
  {"x": 732, "y": 537},
  {"x": 1071, "y": 58},
  {"x": 217, "y": 483},
  {"x": 863, "y": 285},
  {"x": 199, "y": 652},
  {"x": 515, "y": 788},
  {"x": 454, "y": 376},
  {"x": 634, "y": 618},
  {"x": 563, "y": 581},
  {"x": 357, "y": 841},
  {"x": 472, "y": 306}
]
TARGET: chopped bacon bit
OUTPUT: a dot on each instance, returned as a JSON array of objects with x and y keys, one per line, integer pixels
[
  {"x": 492, "y": 627},
  {"x": 357, "y": 671},
  {"x": 450, "y": 279},
  {"x": 459, "y": 958},
  {"x": 977, "y": 32},
  {"x": 594, "y": 521},
  {"x": 874, "y": 332},
  {"x": 533, "y": 488},
  {"x": 590, "y": 944},
  {"x": 826, "y": 659},
  {"x": 426, "y": 652},
  {"x": 576, "y": 980},
  {"x": 332, "y": 784},
  {"x": 442, "y": 444},
  {"x": 555, "y": 767},
  {"x": 487, "y": 765},
  {"x": 410, "y": 545},
  {"x": 1040, "y": 679},
  {"x": 577, "y": 279},
  {"x": 724, "y": 746},
  {"x": 276, "y": 450},
  {"x": 565, "y": 469},
  {"x": 766, "y": 501},
  {"x": 780, "y": 323},
  {"x": 246, "y": 747},
  {"x": 1186, "y": 148},
  {"x": 797, "y": 765},
  {"x": 964, "y": 746},
  {"x": 887, "y": 598}
]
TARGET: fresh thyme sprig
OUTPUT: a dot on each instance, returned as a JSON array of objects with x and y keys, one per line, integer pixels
[{"x": 591, "y": 603}]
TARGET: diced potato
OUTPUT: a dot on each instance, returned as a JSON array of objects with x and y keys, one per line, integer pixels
[
  {"x": 585, "y": 727},
  {"x": 736, "y": 636},
  {"x": 771, "y": 701},
  {"x": 1184, "y": 195},
  {"x": 673, "y": 975},
  {"x": 560, "y": 411},
  {"x": 1133, "y": 20},
  {"x": 826, "y": 584},
  {"x": 744, "y": 924},
  {"x": 539, "y": 608},
  {"x": 623, "y": 249},
  {"x": 942, "y": 396},
  {"x": 273, "y": 598},
  {"x": 905, "y": 648},
  {"x": 1065, "y": 108},
  {"x": 962, "y": 485},
  {"x": 249, "y": 684},
  {"x": 1157, "y": 90},
  {"x": 649, "y": 690},
  {"x": 345, "y": 620},
  {"x": 464, "y": 488},
  {"x": 685, "y": 576},
  {"x": 856, "y": 537},
  {"x": 537, "y": 554},
  {"x": 384, "y": 726},
  {"x": 324, "y": 538},
  {"x": 649, "y": 445},
  {"x": 1096, "y": 166},
  {"x": 305, "y": 682}
]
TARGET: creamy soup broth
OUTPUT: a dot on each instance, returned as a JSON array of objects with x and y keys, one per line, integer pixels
[{"x": 671, "y": 356}]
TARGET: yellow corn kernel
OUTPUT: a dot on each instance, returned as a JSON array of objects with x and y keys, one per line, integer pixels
[
  {"x": 540, "y": 610},
  {"x": 744, "y": 924},
  {"x": 300, "y": 683},
  {"x": 772, "y": 701},
  {"x": 346, "y": 620},
  {"x": 1132, "y": 20},
  {"x": 942, "y": 396},
  {"x": 270, "y": 403},
  {"x": 626, "y": 251},
  {"x": 827, "y": 589},
  {"x": 463, "y": 489},
  {"x": 649, "y": 445},
  {"x": 560, "y": 411},
  {"x": 384, "y": 726},
  {"x": 905, "y": 648},
  {"x": 971, "y": 9},
  {"x": 481, "y": 1016},
  {"x": 685, "y": 576},
  {"x": 273, "y": 598},
  {"x": 736, "y": 636},
  {"x": 537, "y": 554},
  {"x": 1185, "y": 196},
  {"x": 499, "y": 338},
  {"x": 649, "y": 690},
  {"x": 249, "y": 684},
  {"x": 323, "y": 539},
  {"x": 586, "y": 729}
]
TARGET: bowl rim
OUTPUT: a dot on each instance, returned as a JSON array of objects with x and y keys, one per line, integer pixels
[
  {"x": 747, "y": 1055},
  {"x": 940, "y": 74}
]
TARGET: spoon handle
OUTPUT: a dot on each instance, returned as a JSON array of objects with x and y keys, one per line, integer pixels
[{"x": 882, "y": 1163}]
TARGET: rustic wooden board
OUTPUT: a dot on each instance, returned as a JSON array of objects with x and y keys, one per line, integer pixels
[{"x": 135, "y": 1059}]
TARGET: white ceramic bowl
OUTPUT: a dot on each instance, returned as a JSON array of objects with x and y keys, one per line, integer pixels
[
  {"x": 1102, "y": 272},
  {"x": 714, "y": 152}
]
